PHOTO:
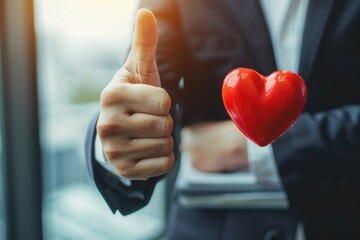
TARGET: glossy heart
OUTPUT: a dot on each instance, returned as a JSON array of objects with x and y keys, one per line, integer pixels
[{"x": 263, "y": 107}]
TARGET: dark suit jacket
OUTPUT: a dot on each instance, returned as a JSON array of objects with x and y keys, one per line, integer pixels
[{"x": 319, "y": 157}]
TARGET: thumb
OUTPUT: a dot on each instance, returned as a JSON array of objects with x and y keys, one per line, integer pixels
[{"x": 141, "y": 60}]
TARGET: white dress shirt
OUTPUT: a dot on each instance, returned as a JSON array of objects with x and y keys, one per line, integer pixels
[{"x": 285, "y": 20}]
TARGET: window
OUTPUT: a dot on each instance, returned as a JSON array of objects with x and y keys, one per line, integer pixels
[
  {"x": 2, "y": 216},
  {"x": 80, "y": 45},
  {"x": 20, "y": 158}
]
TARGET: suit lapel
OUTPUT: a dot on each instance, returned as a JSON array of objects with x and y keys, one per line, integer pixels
[
  {"x": 317, "y": 15},
  {"x": 255, "y": 33}
]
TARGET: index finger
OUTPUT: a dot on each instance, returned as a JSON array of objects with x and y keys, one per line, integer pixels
[{"x": 142, "y": 98}]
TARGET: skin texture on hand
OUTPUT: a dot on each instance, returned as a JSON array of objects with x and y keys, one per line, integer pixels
[
  {"x": 215, "y": 146},
  {"x": 134, "y": 125}
]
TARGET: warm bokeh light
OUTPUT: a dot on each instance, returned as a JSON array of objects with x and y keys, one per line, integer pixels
[
  {"x": 82, "y": 43},
  {"x": 86, "y": 19}
]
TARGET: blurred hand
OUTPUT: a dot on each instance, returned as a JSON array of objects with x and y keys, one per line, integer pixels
[
  {"x": 134, "y": 124},
  {"x": 215, "y": 147}
]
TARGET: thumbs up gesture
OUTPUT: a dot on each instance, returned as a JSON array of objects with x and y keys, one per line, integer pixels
[{"x": 134, "y": 125}]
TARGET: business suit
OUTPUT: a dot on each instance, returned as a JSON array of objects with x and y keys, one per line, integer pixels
[{"x": 318, "y": 158}]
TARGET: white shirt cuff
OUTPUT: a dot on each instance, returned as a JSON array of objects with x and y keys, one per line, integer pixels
[
  {"x": 100, "y": 158},
  {"x": 262, "y": 163}
]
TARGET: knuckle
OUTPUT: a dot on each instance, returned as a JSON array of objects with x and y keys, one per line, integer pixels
[
  {"x": 126, "y": 171},
  {"x": 113, "y": 93},
  {"x": 107, "y": 96},
  {"x": 105, "y": 130},
  {"x": 115, "y": 150},
  {"x": 112, "y": 154},
  {"x": 122, "y": 90}
]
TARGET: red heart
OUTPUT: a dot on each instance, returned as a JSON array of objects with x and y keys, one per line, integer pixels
[{"x": 262, "y": 107}]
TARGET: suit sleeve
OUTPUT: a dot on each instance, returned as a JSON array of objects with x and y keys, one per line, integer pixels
[
  {"x": 319, "y": 160},
  {"x": 128, "y": 199}
]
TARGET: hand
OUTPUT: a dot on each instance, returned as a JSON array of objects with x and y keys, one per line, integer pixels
[
  {"x": 215, "y": 147},
  {"x": 134, "y": 125}
]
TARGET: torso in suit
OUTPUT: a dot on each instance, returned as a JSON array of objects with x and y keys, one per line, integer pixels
[{"x": 318, "y": 158}]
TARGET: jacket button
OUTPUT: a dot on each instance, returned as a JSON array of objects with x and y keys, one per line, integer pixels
[{"x": 274, "y": 235}]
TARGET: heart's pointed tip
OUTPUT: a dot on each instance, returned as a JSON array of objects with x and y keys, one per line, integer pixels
[
  {"x": 262, "y": 144},
  {"x": 261, "y": 141}
]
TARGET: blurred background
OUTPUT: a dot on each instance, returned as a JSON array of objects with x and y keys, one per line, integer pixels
[{"x": 71, "y": 49}]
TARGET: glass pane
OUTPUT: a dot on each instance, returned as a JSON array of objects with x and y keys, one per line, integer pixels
[
  {"x": 2, "y": 160},
  {"x": 80, "y": 46},
  {"x": 2, "y": 196}
]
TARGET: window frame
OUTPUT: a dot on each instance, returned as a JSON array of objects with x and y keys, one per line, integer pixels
[{"x": 20, "y": 121}]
